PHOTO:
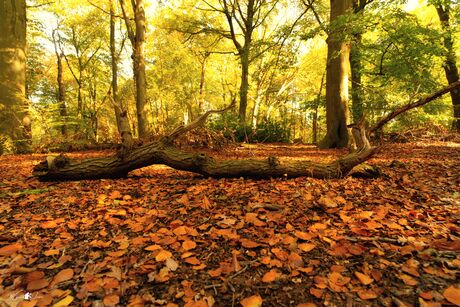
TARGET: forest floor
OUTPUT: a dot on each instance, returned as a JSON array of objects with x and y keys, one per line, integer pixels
[{"x": 163, "y": 237}]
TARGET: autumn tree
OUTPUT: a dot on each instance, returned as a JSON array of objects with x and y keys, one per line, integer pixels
[
  {"x": 444, "y": 9},
  {"x": 337, "y": 79},
  {"x": 14, "y": 118},
  {"x": 136, "y": 34}
]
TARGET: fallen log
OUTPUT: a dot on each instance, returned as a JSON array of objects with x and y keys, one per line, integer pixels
[{"x": 163, "y": 152}]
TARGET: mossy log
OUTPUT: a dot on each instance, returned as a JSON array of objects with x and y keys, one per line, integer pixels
[
  {"x": 163, "y": 152},
  {"x": 63, "y": 168}
]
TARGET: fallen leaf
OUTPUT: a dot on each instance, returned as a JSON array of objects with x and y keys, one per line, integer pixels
[
  {"x": 452, "y": 294},
  {"x": 363, "y": 278},
  {"x": 306, "y": 247},
  {"x": 163, "y": 255},
  {"x": 11, "y": 249},
  {"x": 49, "y": 225},
  {"x": 172, "y": 264},
  {"x": 62, "y": 276},
  {"x": 367, "y": 294},
  {"x": 271, "y": 276},
  {"x": 188, "y": 245},
  {"x": 252, "y": 301},
  {"x": 111, "y": 300},
  {"x": 318, "y": 293},
  {"x": 408, "y": 280},
  {"x": 64, "y": 302},
  {"x": 37, "y": 284}
]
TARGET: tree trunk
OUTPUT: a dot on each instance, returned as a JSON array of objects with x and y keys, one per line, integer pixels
[
  {"x": 139, "y": 70},
  {"x": 357, "y": 105},
  {"x": 244, "y": 87},
  {"x": 61, "y": 89},
  {"x": 14, "y": 118},
  {"x": 450, "y": 64},
  {"x": 137, "y": 38},
  {"x": 337, "y": 81},
  {"x": 114, "y": 62}
]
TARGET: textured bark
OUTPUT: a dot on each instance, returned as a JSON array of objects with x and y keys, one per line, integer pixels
[
  {"x": 121, "y": 113},
  {"x": 61, "y": 88},
  {"x": 450, "y": 64},
  {"x": 62, "y": 168},
  {"x": 357, "y": 105},
  {"x": 162, "y": 152},
  {"x": 14, "y": 118},
  {"x": 137, "y": 38},
  {"x": 337, "y": 82}
]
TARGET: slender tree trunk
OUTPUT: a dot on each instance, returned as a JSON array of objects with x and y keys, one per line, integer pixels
[
  {"x": 14, "y": 118},
  {"x": 244, "y": 87},
  {"x": 356, "y": 80},
  {"x": 139, "y": 70},
  {"x": 61, "y": 89},
  {"x": 337, "y": 81},
  {"x": 121, "y": 113},
  {"x": 450, "y": 64},
  {"x": 114, "y": 62}
]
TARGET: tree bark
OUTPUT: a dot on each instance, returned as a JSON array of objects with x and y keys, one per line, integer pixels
[
  {"x": 244, "y": 87},
  {"x": 337, "y": 81},
  {"x": 14, "y": 118},
  {"x": 61, "y": 89},
  {"x": 450, "y": 64},
  {"x": 137, "y": 38},
  {"x": 357, "y": 105}
]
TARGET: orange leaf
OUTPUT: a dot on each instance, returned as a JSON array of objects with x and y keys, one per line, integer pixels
[
  {"x": 271, "y": 275},
  {"x": 303, "y": 235},
  {"x": 62, "y": 276},
  {"x": 318, "y": 293},
  {"x": 49, "y": 225},
  {"x": 188, "y": 245},
  {"x": 452, "y": 294},
  {"x": 153, "y": 247},
  {"x": 193, "y": 260},
  {"x": 163, "y": 255},
  {"x": 367, "y": 294},
  {"x": 364, "y": 279},
  {"x": 306, "y": 247},
  {"x": 295, "y": 261},
  {"x": 180, "y": 231},
  {"x": 215, "y": 273},
  {"x": 111, "y": 299},
  {"x": 306, "y": 305},
  {"x": 10, "y": 249},
  {"x": 252, "y": 301},
  {"x": 37, "y": 284},
  {"x": 408, "y": 280},
  {"x": 249, "y": 244},
  {"x": 205, "y": 204}
]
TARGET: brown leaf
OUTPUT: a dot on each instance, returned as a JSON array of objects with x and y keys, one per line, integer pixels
[
  {"x": 304, "y": 235},
  {"x": 318, "y": 293},
  {"x": 62, "y": 276},
  {"x": 163, "y": 255},
  {"x": 452, "y": 294},
  {"x": 306, "y": 247},
  {"x": 408, "y": 280},
  {"x": 188, "y": 245},
  {"x": 37, "y": 284},
  {"x": 111, "y": 300},
  {"x": 249, "y": 244},
  {"x": 364, "y": 279},
  {"x": 11, "y": 249},
  {"x": 367, "y": 294},
  {"x": 49, "y": 225},
  {"x": 252, "y": 301},
  {"x": 271, "y": 275}
]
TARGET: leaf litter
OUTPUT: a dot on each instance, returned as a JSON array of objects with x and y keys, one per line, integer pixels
[{"x": 170, "y": 238}]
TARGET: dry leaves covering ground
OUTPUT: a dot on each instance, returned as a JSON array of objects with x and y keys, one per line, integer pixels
[{"x": 168, "y": 238}]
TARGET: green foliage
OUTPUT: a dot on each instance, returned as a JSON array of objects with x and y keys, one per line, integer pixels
[{"x": 266, "y": 131}]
